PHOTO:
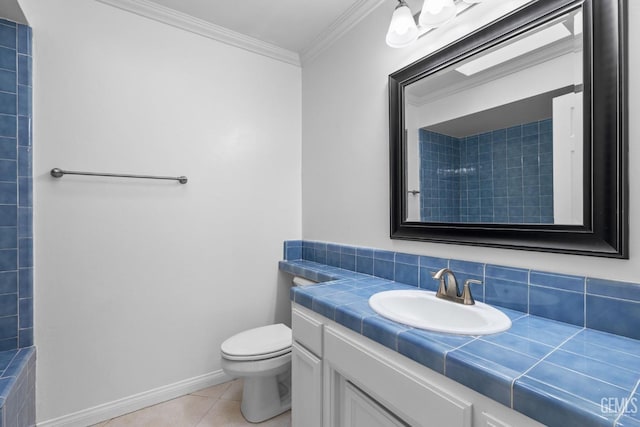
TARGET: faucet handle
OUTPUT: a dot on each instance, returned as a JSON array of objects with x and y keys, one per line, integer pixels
[{"x": 467, "y": 298}]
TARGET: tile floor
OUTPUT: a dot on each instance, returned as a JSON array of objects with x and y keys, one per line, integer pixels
[{"x": 215, "y": 406}]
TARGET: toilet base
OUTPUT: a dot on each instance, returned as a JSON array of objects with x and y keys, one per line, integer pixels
[{"x": 266, "y": 397}]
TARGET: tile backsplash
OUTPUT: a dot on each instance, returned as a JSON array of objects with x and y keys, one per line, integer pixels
[{"x": 595, "y": 303}]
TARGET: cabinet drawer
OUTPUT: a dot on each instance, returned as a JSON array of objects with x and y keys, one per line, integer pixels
[{"x": 307, "y": 330}]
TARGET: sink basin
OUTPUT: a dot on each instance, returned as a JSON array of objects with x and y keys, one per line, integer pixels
[{"x": 423, "y": 310}]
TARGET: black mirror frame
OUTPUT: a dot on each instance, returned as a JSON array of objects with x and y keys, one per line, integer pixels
[{"x": 605, "y": 229}]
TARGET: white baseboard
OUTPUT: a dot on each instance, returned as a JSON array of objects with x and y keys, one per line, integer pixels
[{"x": 106, "y": 411}]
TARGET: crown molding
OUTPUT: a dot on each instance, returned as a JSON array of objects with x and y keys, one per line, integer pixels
[
  {"x": 343, "y": 24},
  {"x": 203, "y": 28}
]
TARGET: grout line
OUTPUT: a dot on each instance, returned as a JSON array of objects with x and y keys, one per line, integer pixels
[
  {"x": 626, "y": 405},
  {"x": 540, "y": 361}
]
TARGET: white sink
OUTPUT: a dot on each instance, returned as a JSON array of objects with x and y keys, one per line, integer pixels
[{"x": 423, "y": 310}]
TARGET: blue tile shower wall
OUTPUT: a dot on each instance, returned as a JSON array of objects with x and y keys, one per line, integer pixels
[
  {"x": 504, "y": 176},
  {"x": 16, "y": 201},
  {"x": 605, "y": 305}
]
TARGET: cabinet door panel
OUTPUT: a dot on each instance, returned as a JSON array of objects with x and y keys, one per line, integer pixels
[
  {"x": 419, "y": 402},
  {"x": 306, "y": 404},
  {"x": 359, "y": 410}
]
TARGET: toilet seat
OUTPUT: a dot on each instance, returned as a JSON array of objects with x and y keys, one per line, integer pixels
[{"x": 258, "y": 344}]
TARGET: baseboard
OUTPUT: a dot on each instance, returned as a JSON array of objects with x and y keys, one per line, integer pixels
[{"x": 106, "y": 411}]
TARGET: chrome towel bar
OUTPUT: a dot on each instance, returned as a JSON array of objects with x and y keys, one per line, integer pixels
[{"x": 58, "y": 173}]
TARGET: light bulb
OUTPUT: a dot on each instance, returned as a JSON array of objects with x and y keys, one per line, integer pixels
[
  {"x": 437, "y": 12},
  {"x": 403, "y": 29}
]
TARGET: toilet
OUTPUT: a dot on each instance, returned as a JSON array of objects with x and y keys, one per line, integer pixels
[{"x": 262, "y": 357}]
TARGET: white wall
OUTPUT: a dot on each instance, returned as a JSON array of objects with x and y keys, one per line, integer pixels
[
  {"x": 346, "y": 153},
  {"x": 138, "y": 282}
]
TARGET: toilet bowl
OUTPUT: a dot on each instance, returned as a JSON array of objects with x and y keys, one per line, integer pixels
[{"x": 262, "y": 357}]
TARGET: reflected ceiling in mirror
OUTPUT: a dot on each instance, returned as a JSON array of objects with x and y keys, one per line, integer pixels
[{"x": 497, "y": 138}]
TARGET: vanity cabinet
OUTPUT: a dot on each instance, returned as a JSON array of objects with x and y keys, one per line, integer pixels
[{"x": 343, "y": 379}]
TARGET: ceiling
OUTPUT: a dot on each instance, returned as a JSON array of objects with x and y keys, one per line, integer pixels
[{"x": 293, "y": 25}]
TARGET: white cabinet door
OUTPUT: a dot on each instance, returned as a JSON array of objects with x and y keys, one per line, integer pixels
[
  {"x": 359, "y": 410},
  {"x": 306, "y": 404}
]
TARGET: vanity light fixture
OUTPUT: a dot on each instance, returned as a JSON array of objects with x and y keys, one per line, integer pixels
[{"x": 403, "y": 29}]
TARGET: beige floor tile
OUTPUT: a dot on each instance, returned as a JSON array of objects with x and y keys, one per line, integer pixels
[
  {"x": 185, "y": 411},
  {"x": 227, "y": 413},
  {"x": 234, "y": 392},
  {"x": 213, "y": 392}
]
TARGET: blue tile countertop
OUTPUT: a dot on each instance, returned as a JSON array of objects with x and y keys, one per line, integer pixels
[{"x": 557, "y": 373}]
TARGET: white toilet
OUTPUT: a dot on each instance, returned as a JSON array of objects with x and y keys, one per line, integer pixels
[{"x": 262, "y": 357}]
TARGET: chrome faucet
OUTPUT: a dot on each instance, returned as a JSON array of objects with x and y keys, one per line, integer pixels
[{"x": 449, "y": 290}]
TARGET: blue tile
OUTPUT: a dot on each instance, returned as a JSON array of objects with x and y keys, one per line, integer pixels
[
  {"x": 291, "y": 253},
  {"x": 24, "y": 39},
  {"x": 333, "y": 258},
  {"x": 408, "y": 274},
  {"x": 383, "y": 268},
  {"x": 506, "y": 293},
  {"x": 612, "y": 374},
  {"x": 509, "y": 273},
  {"x": 7, "y": 59},
  {"x": 407, "y": 259},
  {"x": 25, "y": 318},
  {"x": 8, "y": 305},
  {"x": 364, "y": 252},
  {"x": 25, "y": 192},
  {"x": 8, "y": 171},
  {"x": 382, "y": 331},
  {"x": 8, "y": 237},
  {"x": 8, "y": 36},
  {"x": 25, "y": 252},
  {"x": 608, "y": 349},
  {"x": 384, "y": 255},
  {"x": 24, "y": 70},
  {"x": 8, "y": 195},
  {"x": 25, "y": 163},
  {"x": 8, "y": 344},
  {"x": 560, "y": 408},
  {"x": 8, "y": 282},
  {"x": 26, "y": 337},
  {"x": 484, "y": 376},
  {"x": 558, "y": 281},
  {"x": 348, "y": 261},
  {"x": 8, "y": 81},
  {"x": 542, "y": 330},
  {"x": 364, "y": 265},
  {"x": 619, "y": 317},
  {"x": 8, "y": 103},
  {"x": 563, "y": 306},
  {"x": 583, "y": 386},
  {"x": 8, "y": 148},
  {"x": 25, "y": 282},
  {"x": 466, "y": 267},
  {"x": 5, "y": 358},
  {"x": 24, "y": 100},
  {"x": 8, "y": 126},
  {"x": 8, "y": 327},
  {"x": 24, "y": 131},
  {"x": 424, "y": 351},
  {"x": 324, "y": 308},
  {"x": 519, "y": 344},
  {"x": 610, "y": 288},
  {"x": 8, "y": 259}
]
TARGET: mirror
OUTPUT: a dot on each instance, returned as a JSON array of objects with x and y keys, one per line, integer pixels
[{"x": 516, "y": 136}]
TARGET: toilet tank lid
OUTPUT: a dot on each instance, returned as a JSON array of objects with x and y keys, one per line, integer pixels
[{"x": 258, "y": 341}]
